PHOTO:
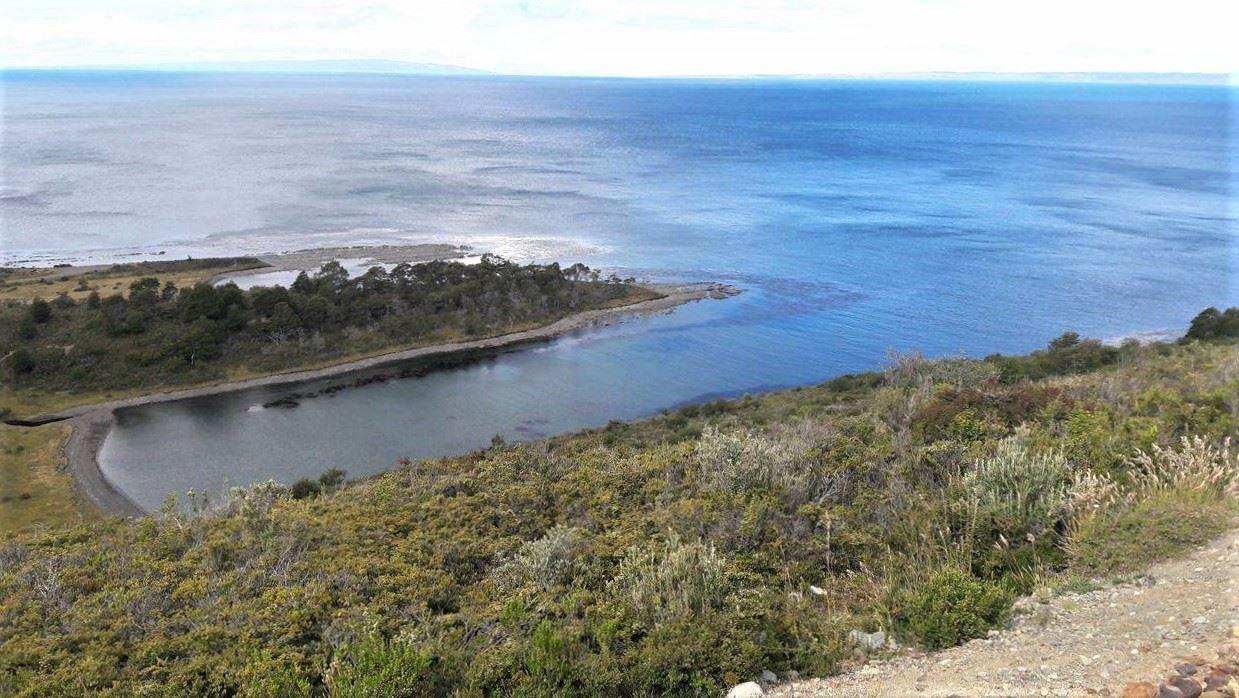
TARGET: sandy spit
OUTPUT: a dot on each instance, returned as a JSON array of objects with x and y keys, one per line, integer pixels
[{"x": 310, "y": 260}]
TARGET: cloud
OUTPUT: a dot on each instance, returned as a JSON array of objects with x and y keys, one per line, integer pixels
[{"x": 637, "y": 37}]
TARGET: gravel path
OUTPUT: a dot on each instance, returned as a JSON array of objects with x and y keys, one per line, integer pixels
[{"x": 1095, "y": 643}]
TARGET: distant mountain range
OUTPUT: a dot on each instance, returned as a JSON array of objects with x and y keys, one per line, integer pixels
[
  {"x": 1080, "y": 76},
  {"x": 386, "y": 67}
]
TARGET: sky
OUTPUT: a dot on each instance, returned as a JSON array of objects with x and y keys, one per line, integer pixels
[{"x": 639, "y": 37}]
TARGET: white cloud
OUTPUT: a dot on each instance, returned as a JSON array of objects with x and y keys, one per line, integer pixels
[{"x": 638, "y": 37}]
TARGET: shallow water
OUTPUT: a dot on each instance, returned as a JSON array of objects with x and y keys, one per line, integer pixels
[{"x": 857, "y": 216}]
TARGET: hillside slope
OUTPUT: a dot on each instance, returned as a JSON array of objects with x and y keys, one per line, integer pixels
[
  {"x": 679, "y": 555},
  {"x": 1184, "y": 611}
]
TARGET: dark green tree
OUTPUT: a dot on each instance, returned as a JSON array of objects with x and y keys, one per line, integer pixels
[{"x": 40, "y": 311}]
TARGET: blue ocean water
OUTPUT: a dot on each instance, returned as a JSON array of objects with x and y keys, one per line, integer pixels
[{"x": 857, "y": 216}]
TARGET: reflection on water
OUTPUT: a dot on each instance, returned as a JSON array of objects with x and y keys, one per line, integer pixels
[{"x": 580, "y": 380}]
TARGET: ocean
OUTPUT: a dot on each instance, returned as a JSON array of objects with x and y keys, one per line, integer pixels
[{"x": 857, "y": 216}]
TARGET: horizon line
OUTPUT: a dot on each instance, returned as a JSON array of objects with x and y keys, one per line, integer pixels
[{"x": 396, "y": 67}]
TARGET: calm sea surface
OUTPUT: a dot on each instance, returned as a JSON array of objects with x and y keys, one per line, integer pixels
[{"x": 857, "y": 216}]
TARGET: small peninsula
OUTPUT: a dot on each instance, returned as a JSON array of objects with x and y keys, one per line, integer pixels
[{"x": 133, "y": 329}]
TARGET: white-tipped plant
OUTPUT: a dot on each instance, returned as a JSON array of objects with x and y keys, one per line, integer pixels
[
  {"x": 669, "y": 581},
  {"x": 253, "y": 501},
  {"x": 737, "y": 461},
  {"x": 1027, "y": 491},
  {"x": 545, "y": 562},
  {"x": 1197, "y": 465},
  {"x": 1090, "y": 492}
]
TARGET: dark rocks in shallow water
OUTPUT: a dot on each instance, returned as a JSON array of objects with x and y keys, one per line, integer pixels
[
  {"x": 294, "y": 399},
  {"x": 369, "y": 380}
]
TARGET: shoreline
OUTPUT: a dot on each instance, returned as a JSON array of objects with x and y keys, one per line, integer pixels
[
  {"x": 309, "y": 260},
  {"x": 91, "y": 423}
]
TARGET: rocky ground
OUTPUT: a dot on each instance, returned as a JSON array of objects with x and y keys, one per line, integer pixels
[{"x": 1171, "y": 632}]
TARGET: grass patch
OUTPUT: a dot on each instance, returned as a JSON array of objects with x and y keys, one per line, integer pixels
[
  {"x": 1166, "y": 525},
  {"x": 34, "y": 489},
  {"x": 26, "y": 284}
]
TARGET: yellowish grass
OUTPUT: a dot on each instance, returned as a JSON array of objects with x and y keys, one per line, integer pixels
[
  {"x": 34, "y": 488},
  {"x": 78, "y": 282}
]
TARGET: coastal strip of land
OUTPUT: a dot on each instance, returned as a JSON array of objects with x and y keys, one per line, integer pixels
[{"x": 90, "y": 423}]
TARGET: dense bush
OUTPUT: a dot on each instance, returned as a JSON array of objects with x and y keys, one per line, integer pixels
[
  {"x": 1068, "y": 354},
  {"x": 953, "y": 606},
  {"x": 1212, "y": 324},
  {"x": 374, "y": 667}
]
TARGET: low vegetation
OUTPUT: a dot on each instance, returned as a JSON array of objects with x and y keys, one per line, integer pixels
[
  {"x": 34, "y": 490},
  {"x": 162, "y": 335},
  {"x": 677, "y": 555},
  {"x": 77, "y": 283},
  {"x": 1176, "y": 498}
]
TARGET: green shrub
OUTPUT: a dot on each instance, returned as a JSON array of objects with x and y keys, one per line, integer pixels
[
  {"x": 331, "y": 479},
  {"x": 268, "y": 678},
  {"x": 952, "y": 607},
  {"x": 40, "y": 311},
  {"x": 305, "y": 488},
  {"x": 975, "y": 413},
  {"x": 22, "y": 361},
  {"x": 549, "y": 662},
  {"x": 1213, "y": 324},
  {"x": 1067, "y": 354},
  {"x": 699, "y": 655},
  {"x": 373, "y": 667}
]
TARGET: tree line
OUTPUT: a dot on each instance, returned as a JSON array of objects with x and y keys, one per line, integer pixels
[{"x": 163, "y": 334}]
